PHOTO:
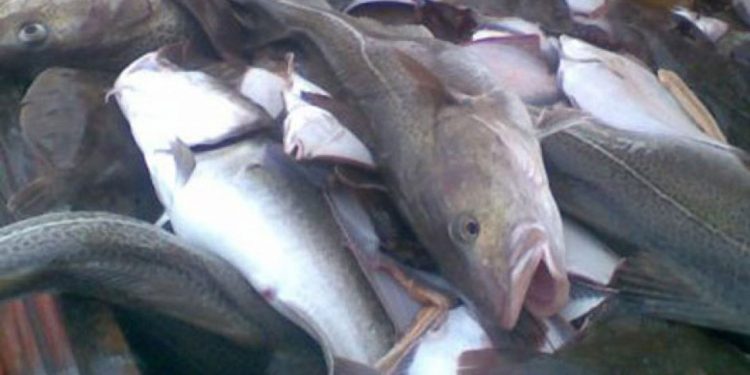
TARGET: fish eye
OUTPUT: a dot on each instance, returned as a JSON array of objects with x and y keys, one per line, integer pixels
[
  {"x": 465, "y": 229},
  {"x": 33, "y": 33}
]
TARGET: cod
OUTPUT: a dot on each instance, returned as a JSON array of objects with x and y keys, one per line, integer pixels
[{"x": 458, "y": 154}]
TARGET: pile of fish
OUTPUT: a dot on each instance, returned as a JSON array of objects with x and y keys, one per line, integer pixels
[{"x": 381, "y": 186}]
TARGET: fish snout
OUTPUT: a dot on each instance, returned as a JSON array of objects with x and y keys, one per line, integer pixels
[{"x": 538, "y": 279}]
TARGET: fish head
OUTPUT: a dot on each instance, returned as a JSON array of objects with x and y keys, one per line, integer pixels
[
  {"x": 501, "y": 232},
  {"x": 41, "y": 32}
]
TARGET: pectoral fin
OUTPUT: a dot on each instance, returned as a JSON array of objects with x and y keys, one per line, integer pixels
[
  {"x": 184, "y": 161},
  {"x": 548, "y": 121},
  {"x": 691, "y": 104},
  {"x": 659, "y": 289}
]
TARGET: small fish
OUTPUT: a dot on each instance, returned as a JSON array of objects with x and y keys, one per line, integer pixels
[
  {"x": 137, "y": 265},
  {"x": 98, "y": 34},
  {"x": 441, "y": 133}
]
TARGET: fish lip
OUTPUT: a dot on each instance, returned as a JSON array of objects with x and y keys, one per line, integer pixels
[{"x": 537, "y": 281}]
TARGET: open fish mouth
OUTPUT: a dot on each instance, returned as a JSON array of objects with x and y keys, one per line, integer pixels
[{"x": 538, "y": 281}]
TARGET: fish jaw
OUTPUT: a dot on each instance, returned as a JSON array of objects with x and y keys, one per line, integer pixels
[{"x": 538, "y": 278}]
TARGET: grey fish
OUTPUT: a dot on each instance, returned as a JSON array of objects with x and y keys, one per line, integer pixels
[
  {"x": 135, "y": 264},
  {"x": 501, "y": 246},
  {"x": 680, "y": 207},
  {"x": 624, "y": 344},
  {"x": 85, "y": 154},
  {"x": 103, "y": 34}
]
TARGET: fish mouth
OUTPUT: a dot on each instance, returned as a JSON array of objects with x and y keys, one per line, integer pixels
[{"x": 537, "y": 281}]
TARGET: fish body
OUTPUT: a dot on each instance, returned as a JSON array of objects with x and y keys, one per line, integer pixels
[
  {"x": 620, "y": 344},
  {"x": 266, "y": 219},
  {"x": 137, "y": 265},
  {"x": 720, "y": 83},
  {"x": 153, "y": 79},
  {"x": 678, "y": 206},
  {"x": 489, "y": 242},
  {"x": 98, "y": 34},
  {"x": 279, "y": 232},
  {"x": 642, "y": 101}
]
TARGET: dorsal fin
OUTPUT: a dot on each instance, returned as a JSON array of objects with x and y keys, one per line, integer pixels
[{"x": 426, "y": 79}]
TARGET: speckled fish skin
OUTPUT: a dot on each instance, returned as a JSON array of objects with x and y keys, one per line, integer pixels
[
  {"x": 488, "y": 241},
  {"x": 101, "y": 34},
  {"x": 681, "y": 202},
  {"x": 135, "y": 264}
]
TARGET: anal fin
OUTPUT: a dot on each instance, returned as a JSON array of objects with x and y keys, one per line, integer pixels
[{"x": 660, "y": 289}]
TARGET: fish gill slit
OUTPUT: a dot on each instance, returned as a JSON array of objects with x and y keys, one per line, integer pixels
[{"x": 680, "y": 207}]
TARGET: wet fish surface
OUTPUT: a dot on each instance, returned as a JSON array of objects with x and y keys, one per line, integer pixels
[
  {"x": 494, "y": 244},
  {"x": 134, "y": 264},
  {"x": 680, "y": 206},
  {"x": 99, "y": 34},
  {"x": 251, "y": 206}
]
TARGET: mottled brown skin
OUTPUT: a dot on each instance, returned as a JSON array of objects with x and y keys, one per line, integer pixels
[
  {"x": 462, "y": 191},
  {"x": 136, "y": 265},
  {"x": 682, "y": 208},
  {"x": 100, "y": 34},
  {"x": 83, "y": 150}
]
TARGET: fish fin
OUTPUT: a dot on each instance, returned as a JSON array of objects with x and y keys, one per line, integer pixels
[
  {"x": 277, "y": 160},
  {"x": 343, "y": 366},
  {"x": 657, "y": 289},
  {"x": 426, "y": 79},
  {"x": 163, "y": 220},
  {"x": 39, "y": 196},
  {"x": 362, "y": 240},
  {"x": 358, "y": 178},
  {"x": 548, "y": 121},
  {"x": 691, "y": 104},
  {"x": 184, "y": 161},
  {"x": 341, "y": 111},
  {"x": 529, "y": 332}
]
